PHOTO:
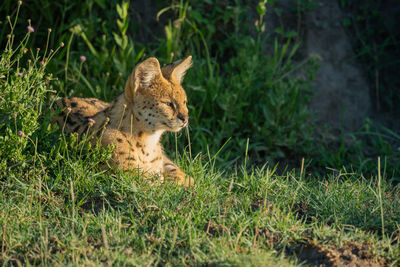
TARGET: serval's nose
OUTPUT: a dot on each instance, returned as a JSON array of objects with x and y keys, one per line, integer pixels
[{"x": 183, "y": 118}]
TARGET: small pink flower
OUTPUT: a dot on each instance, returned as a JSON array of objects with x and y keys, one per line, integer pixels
[
  {"x": 120, "y": 74},
  {"x": 20, "y": 133},
  {"x": 91, "y": 121},
  {"x": 83, "y": 58},
  {"x": 52, "y": 96},
  {"x": 20, "y": 74},
  {"x": 30, "y": 29}
]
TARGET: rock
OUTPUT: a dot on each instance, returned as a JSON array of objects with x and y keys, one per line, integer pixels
[{"x": 342, "y": 94}]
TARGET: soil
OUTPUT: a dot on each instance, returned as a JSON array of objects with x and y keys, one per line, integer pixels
[{"x": 351, "y": 254}]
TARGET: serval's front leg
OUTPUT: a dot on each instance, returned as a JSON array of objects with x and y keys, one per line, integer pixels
[{"x": 172, "y": 172}]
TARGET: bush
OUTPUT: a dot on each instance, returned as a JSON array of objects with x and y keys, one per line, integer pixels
[{"x": 24, "y": 86}]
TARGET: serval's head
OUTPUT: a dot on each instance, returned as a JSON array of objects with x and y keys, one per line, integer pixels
[{"x": 156, "y": 95}]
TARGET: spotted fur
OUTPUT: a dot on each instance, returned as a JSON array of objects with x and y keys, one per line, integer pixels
[{"x": 153, "y": 102}]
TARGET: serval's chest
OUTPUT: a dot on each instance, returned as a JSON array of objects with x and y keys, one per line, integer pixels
[{"x": 135, "y": 150}]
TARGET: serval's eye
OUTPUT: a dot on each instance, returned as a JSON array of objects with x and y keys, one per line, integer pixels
[{"x": 171, "y": 105}]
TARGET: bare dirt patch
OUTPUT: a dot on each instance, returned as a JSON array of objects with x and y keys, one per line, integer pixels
[
  {"x": 272, "y": 239},
  {"x": 351, "y": 254},
  {"x": 214, "y": 229}
]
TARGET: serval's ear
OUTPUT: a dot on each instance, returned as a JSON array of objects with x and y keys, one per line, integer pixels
[
  {"x": 177, "y": 70},
  {"x": 144, "y": 75}
]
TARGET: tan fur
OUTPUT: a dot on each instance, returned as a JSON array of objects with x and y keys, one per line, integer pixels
[{"x": 153, "y": 102}]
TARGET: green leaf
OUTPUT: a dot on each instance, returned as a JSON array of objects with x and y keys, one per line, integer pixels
[
  {"x": 139, "y": 55},
  {"x": 125, "y": 28},
  {"x": 125, "y": 7},
  {"x": 261, "y": 9},
  {"x": 124, "y": 42},
  {"x": 278, "y": 11},
  {"x": 120, "y": 25},
  {"x": 291, "y": 34},
  {"x": 117, "y": 39},
  {"x": 119, "y": 11},
  {"x": 101, "y": 3}
]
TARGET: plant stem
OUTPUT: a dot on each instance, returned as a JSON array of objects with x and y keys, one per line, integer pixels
[{"x": 380, "y": 194}]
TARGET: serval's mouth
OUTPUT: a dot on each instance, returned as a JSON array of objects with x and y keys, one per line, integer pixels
[{"x": 178, "y": 127}]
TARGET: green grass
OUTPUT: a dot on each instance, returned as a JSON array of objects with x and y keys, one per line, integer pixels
[
  {"x": 80, "y": 215},
  {"x": 58, "y": 208}
]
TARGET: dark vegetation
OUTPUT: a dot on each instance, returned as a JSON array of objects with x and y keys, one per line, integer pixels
[
  {"x": 376, "y": 42},
  {"x": 249, "y": 126}
]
